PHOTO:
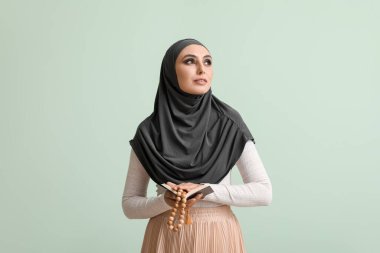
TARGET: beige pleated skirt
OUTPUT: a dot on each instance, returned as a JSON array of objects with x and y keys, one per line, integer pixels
[{"x": 214, "y": 230}]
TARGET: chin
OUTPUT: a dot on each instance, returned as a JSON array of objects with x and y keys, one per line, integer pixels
[
  {"x": 197, "y": 89},
  {"x": 200, "y": 91}
]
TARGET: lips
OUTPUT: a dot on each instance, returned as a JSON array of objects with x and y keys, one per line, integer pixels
[{"x": 200, "y": 80}]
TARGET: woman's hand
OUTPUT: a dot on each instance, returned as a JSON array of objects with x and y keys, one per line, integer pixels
[
  {"x": 193, "y": 200},
  {"x": 188, "y": 187},
  {"x": 170, "y": 198}
]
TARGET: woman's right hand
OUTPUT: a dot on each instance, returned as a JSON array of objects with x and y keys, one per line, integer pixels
[{"x": 170, "y": 198}]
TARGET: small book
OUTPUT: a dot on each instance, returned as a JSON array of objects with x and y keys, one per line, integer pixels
[{"x": 205, "y": 189}]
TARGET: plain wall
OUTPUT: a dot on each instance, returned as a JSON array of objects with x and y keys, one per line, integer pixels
[{"x": 77, "y": 77}]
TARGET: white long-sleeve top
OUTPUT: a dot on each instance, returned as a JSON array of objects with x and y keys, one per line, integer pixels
[{"x": 255, "y": 191}]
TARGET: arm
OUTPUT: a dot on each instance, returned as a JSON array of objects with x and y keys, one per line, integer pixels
[
  {"x": 134, "y": 201},
  {"x": 257, "y": 188}
]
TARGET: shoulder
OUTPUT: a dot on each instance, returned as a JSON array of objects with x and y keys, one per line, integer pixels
[
  {"x": 248, "y": 153},
  {"x": 229, "y": 111},
  {"x": 232, "y": 114},
  {"x": 143, "y": 126},
  {"x": 249, "y": 147}
]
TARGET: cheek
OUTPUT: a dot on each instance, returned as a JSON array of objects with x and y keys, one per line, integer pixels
[
  {"x": 182, "y": 78},
  {"x": 185, "y": 75},
  {"x": 179, "y": 74},
  {"x": 211, "y": 75}
]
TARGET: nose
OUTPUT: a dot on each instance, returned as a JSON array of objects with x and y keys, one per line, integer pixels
[{"x": 200, "y": 69}]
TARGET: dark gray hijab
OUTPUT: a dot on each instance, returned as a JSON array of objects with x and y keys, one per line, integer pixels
[{"x": 188, "y": 138}]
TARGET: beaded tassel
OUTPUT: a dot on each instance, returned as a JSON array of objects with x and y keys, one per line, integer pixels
[
  {"x": 179, "y": 204},
  {"x": 188, "y": 217}
]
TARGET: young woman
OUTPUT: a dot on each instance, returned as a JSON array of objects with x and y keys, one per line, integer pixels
[{"x": 192, "y": 138}]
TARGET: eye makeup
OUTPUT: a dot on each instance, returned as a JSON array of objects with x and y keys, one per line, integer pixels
[{"x": 192, "y": 60}]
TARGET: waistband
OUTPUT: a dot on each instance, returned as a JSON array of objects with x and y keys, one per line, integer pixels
[{"x": 209, "y": 213}]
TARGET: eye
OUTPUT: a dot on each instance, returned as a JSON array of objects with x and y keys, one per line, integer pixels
[
  {"x": 208, "y": 62},
  {"x": 188, "y": 61}
]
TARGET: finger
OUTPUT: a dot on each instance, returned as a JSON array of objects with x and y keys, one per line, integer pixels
[
  {"x": 190, "y": 202},
  {"x": 169, "y": 194},
  {"x": 170, "y": 202},
  {"x": 172, "y": 185},
  {"x": 191, "y": 186},
  {"x": 199, "y": 196},
  {"x": 187, "y": 186}
]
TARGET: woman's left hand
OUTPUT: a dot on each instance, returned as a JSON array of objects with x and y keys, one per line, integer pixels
[{"x": 188, "y": 187}]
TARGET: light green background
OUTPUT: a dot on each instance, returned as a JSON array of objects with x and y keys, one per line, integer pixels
[{"x": 78, "y": 76}]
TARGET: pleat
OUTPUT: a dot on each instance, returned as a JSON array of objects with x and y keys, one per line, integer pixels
[{"x": 214, "y": 230}]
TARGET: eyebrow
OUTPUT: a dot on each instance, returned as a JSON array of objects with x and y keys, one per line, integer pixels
[{"x": 209, "y": 56}]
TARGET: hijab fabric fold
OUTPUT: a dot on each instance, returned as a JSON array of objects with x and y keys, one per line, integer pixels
[{"x": 188, "y": 137}]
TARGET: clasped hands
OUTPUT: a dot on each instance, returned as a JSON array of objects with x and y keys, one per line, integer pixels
[{"x": 170, "y": 198}]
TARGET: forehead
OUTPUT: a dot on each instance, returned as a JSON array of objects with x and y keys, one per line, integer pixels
[{"x": 194, "y": 49}]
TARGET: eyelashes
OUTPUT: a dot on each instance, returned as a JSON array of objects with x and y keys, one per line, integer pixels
[
  {"x": 191, "y": 60},
  {"x": 188, "y": 61},
  {"x": 209, "y": 62}
]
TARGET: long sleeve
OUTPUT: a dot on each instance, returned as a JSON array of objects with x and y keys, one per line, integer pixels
[
  {"x": 257, "y": 188},
  {"x": 135, "y": 203}
]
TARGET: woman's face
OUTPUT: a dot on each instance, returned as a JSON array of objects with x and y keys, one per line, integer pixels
[{"x": 194, "y": 69}]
